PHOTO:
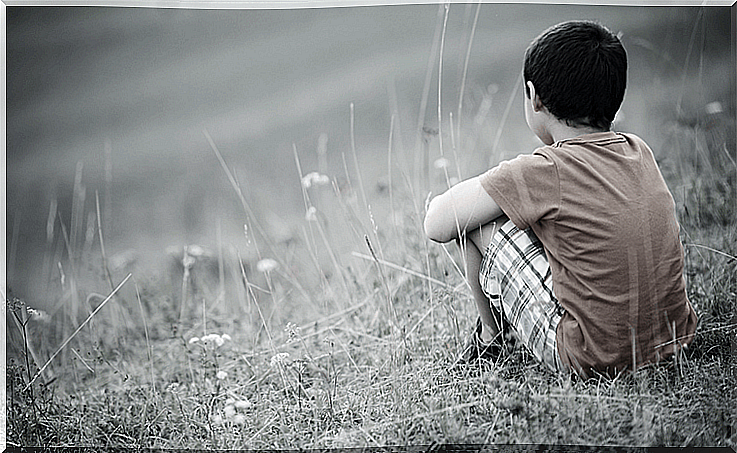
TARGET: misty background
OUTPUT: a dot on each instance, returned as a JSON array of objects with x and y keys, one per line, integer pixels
[{"x": 118, "y": 99}]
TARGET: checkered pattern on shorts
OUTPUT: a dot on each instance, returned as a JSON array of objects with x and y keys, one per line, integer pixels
[{"x": 515, "y": 266}]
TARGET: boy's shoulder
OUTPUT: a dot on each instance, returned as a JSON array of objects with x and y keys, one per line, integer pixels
[
  {"x": 597, "y": 139},
  {"x": 596, "y": 145}
]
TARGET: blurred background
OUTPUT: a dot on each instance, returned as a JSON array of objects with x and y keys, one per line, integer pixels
[{"x": 111, "y": 106}]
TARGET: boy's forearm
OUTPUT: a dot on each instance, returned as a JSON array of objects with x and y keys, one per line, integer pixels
[{"x": 464, "y": 207}]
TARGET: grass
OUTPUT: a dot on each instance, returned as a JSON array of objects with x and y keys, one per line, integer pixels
[
  {"x": 351, "y": 374},
  {"x": 264, "y": 344}
]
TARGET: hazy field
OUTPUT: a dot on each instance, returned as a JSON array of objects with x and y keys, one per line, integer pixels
[{"x": 184, "y": 140}]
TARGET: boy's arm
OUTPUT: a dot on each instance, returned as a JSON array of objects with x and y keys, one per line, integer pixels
[{"x": 464, "y": 207}]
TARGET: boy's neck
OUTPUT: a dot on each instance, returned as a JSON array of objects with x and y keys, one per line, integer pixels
[{"x": 559, "y": 131}]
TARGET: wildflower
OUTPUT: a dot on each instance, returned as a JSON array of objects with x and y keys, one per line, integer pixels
[
  {"x": 279, "y": 359},
  {"x": 188, "y": 260},
  {"x": 713, "y": 108},
  {"x": 195, "y": 250},
  {"x": 193, "y": 340},
  {"x": 214, "y": 338},
  {"x": 173, "y": 387},
  {"x": 267, "y": 265},
  {"x": 311, "y": 214},
  {"x": 441, "y": 163},
  {"x": 229, "y": 411},
  {"x": 37, "y": 315},
  {"x": 314, "y": 178},
  {"x": 239, "y": 419},
  {"x": 293, "y": 330},
  {"x": 221, "y": 375},
  {"x": 225, "y": 336},
  {"x": 242, "y": 404}
]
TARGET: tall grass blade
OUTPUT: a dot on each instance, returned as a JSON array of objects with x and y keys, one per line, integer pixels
[
  {"x": 712, "y": 250},
  {"x": 13, "y": 246},
  {"x": 108, "y": 207},
  {"x": 251, "y": 217},
  {"x": 498, "y": 136},
  {"x": 425, "y": 94},
  {"x": 389, "y": 173},
  {"x": 50, "y": 235},
  {"x": 403, "y": 269},
  {"x": 145, "y": 331},
  {"x": 77, "y": 209},
  {"x": 105, "y": 266},
  {"x": 81, "y": 326},
  {"x": 686, "y": 61},
  {"x": 389, "y": 300},
  {"x": 465, "y": 70},
  {"x": 440, "y": 77},
  {"x": 355, "y": 158}
]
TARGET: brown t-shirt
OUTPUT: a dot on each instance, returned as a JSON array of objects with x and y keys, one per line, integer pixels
[{"x": 607, "y": 221}]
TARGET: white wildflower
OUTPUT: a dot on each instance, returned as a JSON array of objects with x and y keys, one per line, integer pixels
[
  {"x": 441, "y": 163},
  {"x": 315, "y": 179},
  {"x": 267, "y": 265},
  {"x": 188, "y": 260},
  {"x": 226, "y": 337},
  {"x": 279, "y": 359},
  {"x": 196, "y": 250},
  {"x": 213, "y": 338},
  {"x": 193, "y": 340},
  {"x": 242, "y": 404},
  {"x": 221, "y": 375},
  {"x": 239, "y": 419},
  {"x": 293, "y": 330},
  {"x": 713, "y": 108},
  {"x": 37, "y": 315},
  {"x": 229, "y": 411},
  {"x": 311, "y": 214}
]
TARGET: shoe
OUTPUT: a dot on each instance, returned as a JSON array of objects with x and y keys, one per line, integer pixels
[{"x": 476, "y": 349}]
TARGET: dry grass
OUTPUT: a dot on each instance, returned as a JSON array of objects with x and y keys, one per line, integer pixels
[{"x": 266, "y": 344}]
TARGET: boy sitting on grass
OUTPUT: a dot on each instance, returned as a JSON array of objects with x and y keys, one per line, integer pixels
[{"x": 574, "y": 249}]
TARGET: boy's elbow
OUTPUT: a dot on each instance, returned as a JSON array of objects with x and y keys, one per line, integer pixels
[{"x": 433, "y": 224}]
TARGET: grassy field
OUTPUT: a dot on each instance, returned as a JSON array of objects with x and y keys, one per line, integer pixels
[{"x": 279, "y": 341}]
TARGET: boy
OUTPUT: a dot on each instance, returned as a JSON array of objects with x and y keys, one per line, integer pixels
[{"x": 575, "y": 248}]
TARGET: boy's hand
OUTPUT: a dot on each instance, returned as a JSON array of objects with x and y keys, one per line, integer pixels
[{"x": 462, "y": 208}]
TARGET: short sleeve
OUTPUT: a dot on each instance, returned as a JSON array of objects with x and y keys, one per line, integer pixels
[{"x": 526, "y": 188}]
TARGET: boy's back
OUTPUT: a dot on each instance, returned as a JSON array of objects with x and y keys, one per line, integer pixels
[
  {"x": 589, "y": 266},
  {"x": 600, "y": 207}
]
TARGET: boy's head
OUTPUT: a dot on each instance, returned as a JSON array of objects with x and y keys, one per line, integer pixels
[{"x": 579, "y": 71}]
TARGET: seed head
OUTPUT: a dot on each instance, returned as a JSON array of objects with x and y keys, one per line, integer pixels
[{"x": 267, "y": 265}]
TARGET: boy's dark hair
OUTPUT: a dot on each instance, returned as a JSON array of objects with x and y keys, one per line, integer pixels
[{"x": 579, "y": 70}]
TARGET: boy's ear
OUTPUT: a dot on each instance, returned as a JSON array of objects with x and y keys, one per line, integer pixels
[{"x": 537, "y": 104}]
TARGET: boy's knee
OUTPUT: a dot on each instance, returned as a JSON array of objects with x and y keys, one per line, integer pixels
[{"x": 482, "y": 236}]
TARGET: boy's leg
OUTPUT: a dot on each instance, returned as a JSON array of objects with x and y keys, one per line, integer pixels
[
  {"x": 491, "y": 321},
  {"x": 515, "y": 276}
]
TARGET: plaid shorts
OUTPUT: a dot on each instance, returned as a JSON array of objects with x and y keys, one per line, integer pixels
[{"x": 516, "y": 268}]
